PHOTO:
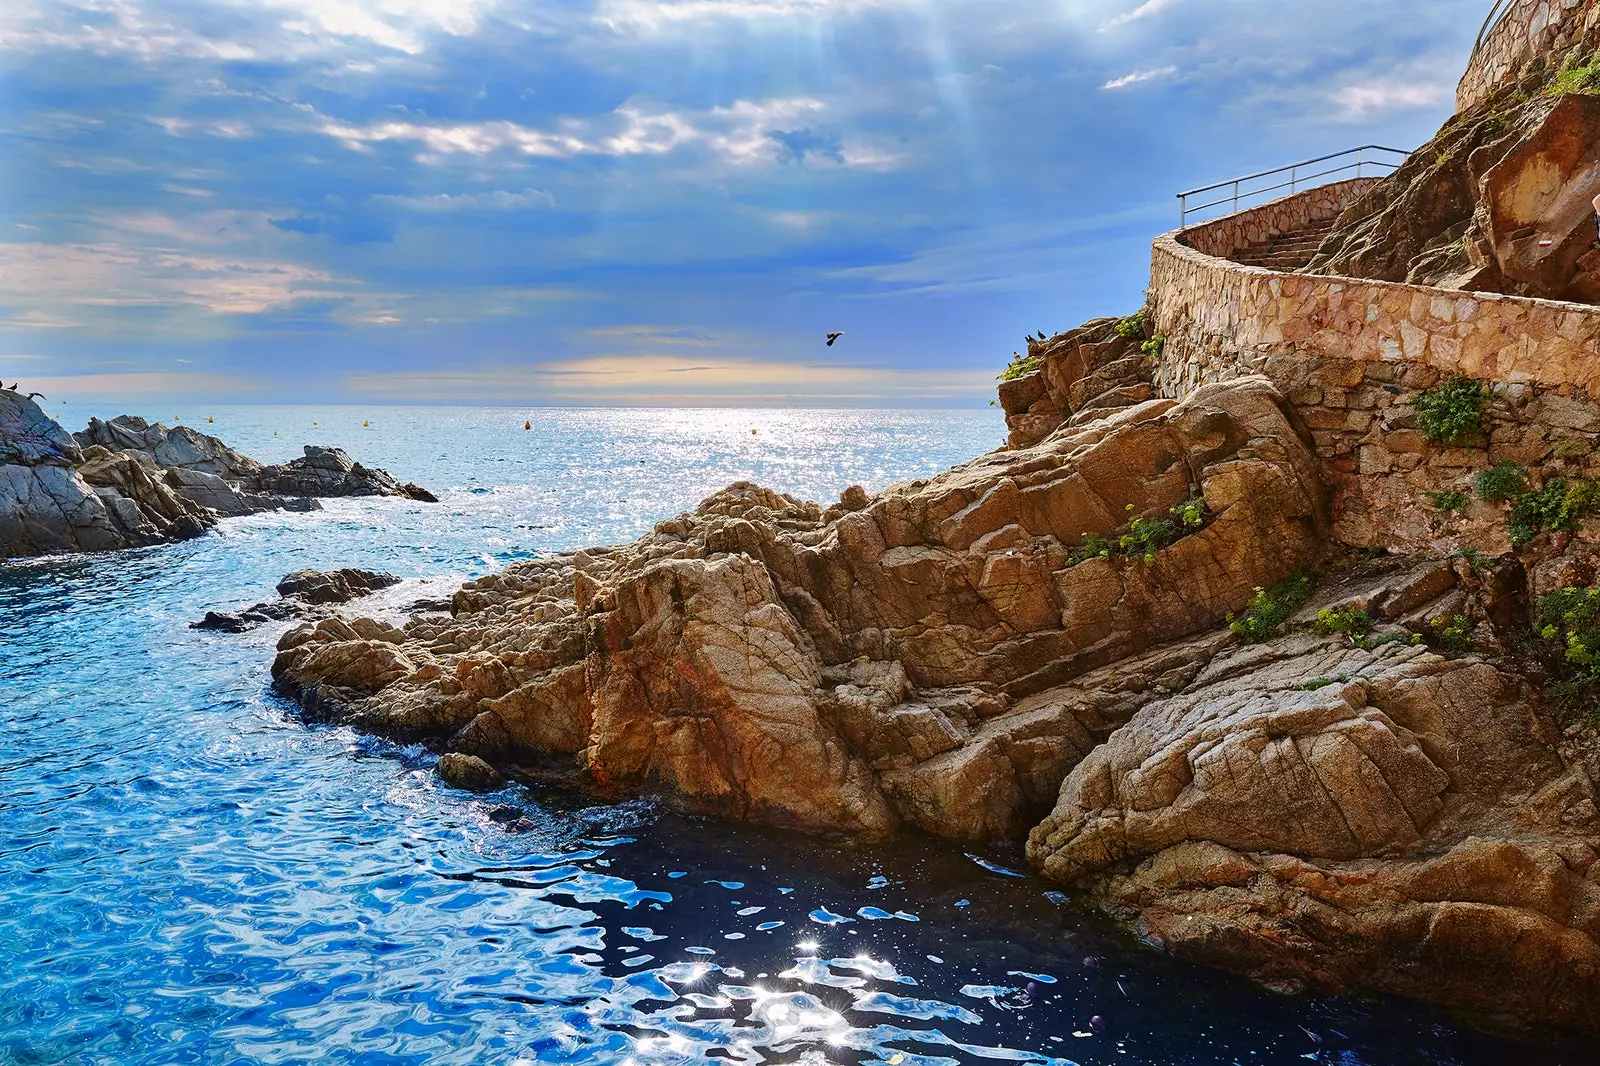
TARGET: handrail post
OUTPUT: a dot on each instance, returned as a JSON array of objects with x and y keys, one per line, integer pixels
[
  {"x": 1294, "y": 179},
  {"x": 1236, "y": 197}
]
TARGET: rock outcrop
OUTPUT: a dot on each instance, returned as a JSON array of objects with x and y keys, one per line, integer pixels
[
  {"x": 1499, "y": 201},
  {"x": 324, "y": 472},
  {"x": 835, "y": 670},
  {"x": 129, "y": 483},
  {"x": 55, "y": 498},
  {"x": 302, "y": 594},
  {"x": 1014, "y": 649}
]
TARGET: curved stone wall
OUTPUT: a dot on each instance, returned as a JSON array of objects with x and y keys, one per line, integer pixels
[
  {"x": 1529, "y": 28},
  {"x": 1350, "y": 354}
]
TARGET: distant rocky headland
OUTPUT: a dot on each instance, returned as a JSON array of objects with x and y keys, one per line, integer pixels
[
  {"x": 127, "y": 483},
  {"x": 1274, "y": 629}
]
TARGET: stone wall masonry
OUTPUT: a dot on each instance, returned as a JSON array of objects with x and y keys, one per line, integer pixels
[
  {"x": 1350, "y": 354},
  {"x": 1529, "y": 28}
]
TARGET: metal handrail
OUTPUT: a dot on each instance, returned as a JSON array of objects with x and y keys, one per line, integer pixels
[
  {"x": 1296, "y": 179},
  {"x": 1493, "y": 21}
]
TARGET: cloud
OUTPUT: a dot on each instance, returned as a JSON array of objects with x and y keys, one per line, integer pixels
[
  {"x": 742, "y": 132},
  {"x": 54, "y": 278},
  {"x": 656, "y": 15},
  {"x": 1144, "y": 10},
  {"x": 498, "y": 200},
  {"x": 146, "y": 384},
  {"x": 1140, "y": 76},
  {"x": 1358, "y": 101}
]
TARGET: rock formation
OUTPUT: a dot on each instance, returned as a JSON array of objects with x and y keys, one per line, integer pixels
[
  {"x": 302, "y": 594},
  {"x": 128, "y": 483},
  {"x": 1499, "y": 201}
]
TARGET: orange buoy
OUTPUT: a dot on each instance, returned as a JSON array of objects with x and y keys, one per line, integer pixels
[
  {"x": 528, "y": 424},
  {"x": 752, "y": 432}
]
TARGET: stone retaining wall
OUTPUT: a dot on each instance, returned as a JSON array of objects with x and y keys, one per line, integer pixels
[
  {"x": 1350, "y": 354},
  {"x": 1231, "y": 234},
  {"x": 1530, "y": 28}
]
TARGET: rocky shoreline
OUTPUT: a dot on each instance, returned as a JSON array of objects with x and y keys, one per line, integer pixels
[
  {"x": 1038, "y": 644},
  {"x": 127, "y": 483}
]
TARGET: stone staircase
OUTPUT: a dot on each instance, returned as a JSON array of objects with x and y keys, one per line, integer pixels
[{"x": 1288, "y": 252}]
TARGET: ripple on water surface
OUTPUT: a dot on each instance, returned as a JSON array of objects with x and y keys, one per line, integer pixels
[{"x": 189, "y": 875}]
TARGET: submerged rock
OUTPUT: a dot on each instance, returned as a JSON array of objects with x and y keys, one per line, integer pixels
[{"x": 468, "y": 772}]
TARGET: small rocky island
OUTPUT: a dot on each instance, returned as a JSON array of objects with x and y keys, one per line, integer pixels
[
  {"x": 1274, "y": 630},
  {"x": 127, "y": 483}
]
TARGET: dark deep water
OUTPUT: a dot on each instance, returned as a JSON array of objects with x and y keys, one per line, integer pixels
[{"x": 190, "y": 875}]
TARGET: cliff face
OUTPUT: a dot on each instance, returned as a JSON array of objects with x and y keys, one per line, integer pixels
[{"x": 1500, "y": 199}]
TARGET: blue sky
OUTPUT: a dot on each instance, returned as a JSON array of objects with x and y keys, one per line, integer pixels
[{"x": 638, "y": 201}]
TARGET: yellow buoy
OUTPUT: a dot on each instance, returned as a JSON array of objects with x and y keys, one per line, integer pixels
[
  {"x": 366, "y": 425},
  {"x": 752, "y": 432},
  {"x": 316, "y": 423},
  {"x": 177, "y": 418},
  {"x": 274, "y": 433},
  {"x": 210, "y": 418}
]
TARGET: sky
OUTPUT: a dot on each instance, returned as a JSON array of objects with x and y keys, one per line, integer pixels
[{"x": 638, "y": 202}]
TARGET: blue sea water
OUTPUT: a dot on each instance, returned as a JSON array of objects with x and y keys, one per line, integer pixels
[{"x": 190, "y": 874}]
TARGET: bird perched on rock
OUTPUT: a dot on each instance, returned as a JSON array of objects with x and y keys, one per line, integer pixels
[
  {"x": 834, "y": 336},
  {"x": 31, "y": 395}
]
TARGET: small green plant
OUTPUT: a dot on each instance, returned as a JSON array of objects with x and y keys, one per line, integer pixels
[
  {"x": 1353, "y": 624},
  {"x": 1449, "y": 500},
  {"x": 1391, "y": 637},
  {"x": 1322, "y": 682},
  {"x": 1191, "y": 513},
  {"x": 1131, "y": 327},
  {"x": 1561, "y": 506},
  {"x": 1452, "y": 411},
  {"x": 1153, "y": 347},
  {"x": 1502, "y": 481},
  {"x": 1145, "y": 536},
  {"x": 1579, "y": 78},
  {"x": 1569, "y": 624},
  {"x": 1020, "y": 365},
  {"x": 1094, "y": 546},
  {"x": 1454, "y": 633},
  {"x": 1269, "y": 608}
]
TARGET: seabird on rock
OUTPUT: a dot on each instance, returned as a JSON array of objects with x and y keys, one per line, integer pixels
[
  {"x": 31, "y": 395},
  {"x": 834, "y": 336}
]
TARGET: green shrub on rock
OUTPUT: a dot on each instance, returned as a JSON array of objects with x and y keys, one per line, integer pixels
[
  {"x": 1569, "y": 624},
  {"x": 1449, "y": 500},
  {"x": 1131, "y": 328},
  {"x": 1270, "y": 608},
  {"x": 1561, "y": 506},
  {"x": 1020, "y": 366},
  {"x": 1353, "y": 624},
  {"x": 1452, "y": 411},
  {"x": 1502, "y": 481}
]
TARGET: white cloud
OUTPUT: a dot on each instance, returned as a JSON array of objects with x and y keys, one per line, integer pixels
[
  {"x": 498, "y": 200},
  {"x": 1140, "y": 76},
  {"x": 1357, "y": 101},
  {"x": 1144, "y": 10},
  {"x": 741, "y": 132},
  {"x": 654, "y": 15},
  {"x": 58, "y": 276}
]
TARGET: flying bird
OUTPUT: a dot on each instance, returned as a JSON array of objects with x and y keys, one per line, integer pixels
[{"x": 834, "y": 336}]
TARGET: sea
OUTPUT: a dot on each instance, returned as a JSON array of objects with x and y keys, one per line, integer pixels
[{"x": 189, "y": 873}]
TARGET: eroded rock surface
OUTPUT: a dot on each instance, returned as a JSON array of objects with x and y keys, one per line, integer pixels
[
  {"x": 1402, "y": 823},
  {"x": 843, "y": 670}
]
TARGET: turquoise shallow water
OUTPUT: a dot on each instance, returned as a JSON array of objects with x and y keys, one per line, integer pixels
[{"x": 189, "y": 874}]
